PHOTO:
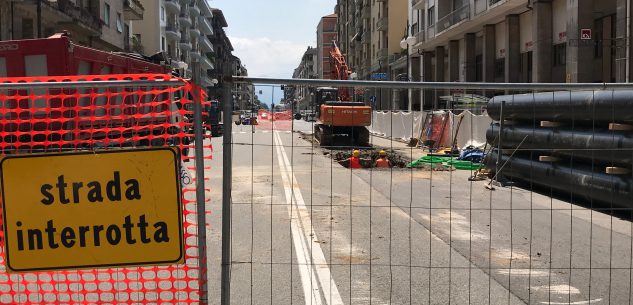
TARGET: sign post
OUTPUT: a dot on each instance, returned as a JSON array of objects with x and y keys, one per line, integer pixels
[{"x": 91, "y": 210}]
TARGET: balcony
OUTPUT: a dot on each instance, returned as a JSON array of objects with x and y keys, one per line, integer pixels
[
  {"x": 185, "y": 20},
  {"x": 172, "y": 6},
  {"x": 185, "y": 45},
  {"x": 382, "y": 24},
  {"x": 194, "y": 32},
  {"x": 420, "y": 36},
  {"x": 206, "y": 63},
  {"x": 80, "y": 18},
  {"x": 430, "y": 31},
  {"x": 483, "y": 5},
  {"x": 455, "y": 17},
  {"x": 205, "y": 9},
  {"x": 172, "y": 32},
  {"x": 133, "y": 10},
  {"x": 205, "y": 44},
  {"x": 417, "y": 4},
  {"x": 195, "y": 54},
  {"x": 205, "y": 25},
  {"x": 194, "y": 10}
]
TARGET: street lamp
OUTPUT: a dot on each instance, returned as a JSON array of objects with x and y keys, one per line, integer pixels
[{"x": 406, "y": 43}]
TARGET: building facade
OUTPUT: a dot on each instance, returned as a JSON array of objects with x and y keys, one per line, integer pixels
[
  {"x": 101, "y": 24},
  {"x": 370, "y": 32},
  {"x": 519, "y": 41},
  {"x": 326, "y": 35},
  {"x": 242, "y": 93},
  {"x": 307, "y": 69},
  {"x": 181, "y": 29}
]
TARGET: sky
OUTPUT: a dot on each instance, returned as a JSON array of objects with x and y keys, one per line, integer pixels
[{"x": 271, "y": 36}]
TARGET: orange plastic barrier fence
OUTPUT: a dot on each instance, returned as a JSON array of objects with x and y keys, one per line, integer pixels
[{"x": 71, "y": 119}]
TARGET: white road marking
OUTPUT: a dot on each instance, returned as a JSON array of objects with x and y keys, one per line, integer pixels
[
  {"x": 558, "y": 289},
  {"x": 309, "y": 255},
  {"x": 573, "y": 303},
  {"x": 522, "y": 272}
]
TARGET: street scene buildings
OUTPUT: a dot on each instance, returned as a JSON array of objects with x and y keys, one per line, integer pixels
[
  {"x": 423, "y": 152},
  {"x": 182, "y": 32},
  {"x": 481, "y": 41}
]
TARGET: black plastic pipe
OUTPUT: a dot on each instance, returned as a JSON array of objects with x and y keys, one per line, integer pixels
[
  {"x": 583, "y": 106},
  {"x": 611, "y": 190},
  {"x": 601, "y": 146}
]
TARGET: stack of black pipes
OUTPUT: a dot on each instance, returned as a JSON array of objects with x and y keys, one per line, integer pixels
[{"x": 578, "y": 143}]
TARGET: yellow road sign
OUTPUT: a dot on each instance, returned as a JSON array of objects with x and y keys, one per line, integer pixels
[{"x": 88, "y": 210}]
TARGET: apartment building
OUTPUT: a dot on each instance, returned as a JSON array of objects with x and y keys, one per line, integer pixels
[
  {"x": 307, "y": 69},
  {"x": 519, "y": 41},
  {"x": 369, "y": 34},
  {"x": 102, "y": 24},
  {"x": 326, "y": 34},
  {"x": 242, "y": 93},
  {"x": 182, "y": 29}
]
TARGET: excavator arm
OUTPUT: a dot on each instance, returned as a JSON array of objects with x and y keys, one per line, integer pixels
[{"x": 340, "y": 70}]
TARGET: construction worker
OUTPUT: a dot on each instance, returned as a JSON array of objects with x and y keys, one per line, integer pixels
[
  {"x": 354, "y": 160},
  {"x": 382, "y": 161}
]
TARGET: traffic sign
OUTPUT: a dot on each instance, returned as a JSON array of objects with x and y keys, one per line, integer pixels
[
  {"x": 585, "y": 34},
  {"x": 379, "y": 76},
  {"x": 88, "y": 210}
]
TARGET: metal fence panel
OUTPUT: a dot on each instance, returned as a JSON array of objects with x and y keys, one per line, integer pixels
[
  {"x": 106, "y": 112},
  {"x": 530, "y": 224}
]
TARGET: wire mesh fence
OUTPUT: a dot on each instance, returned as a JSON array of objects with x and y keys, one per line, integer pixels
[
  {"x": 492, "y": 194},
  {"x": 106, "y": 113}
]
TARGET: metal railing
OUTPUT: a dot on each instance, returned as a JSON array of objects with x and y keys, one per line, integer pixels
[
  {"x": 453, "y": 18},
  {"x": 420, "y": 36}
]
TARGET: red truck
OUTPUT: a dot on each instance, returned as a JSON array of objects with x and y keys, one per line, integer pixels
[{"x": 57, "y": 56}]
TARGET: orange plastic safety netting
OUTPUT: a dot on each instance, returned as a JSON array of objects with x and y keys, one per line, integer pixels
[{"x": 150, "y": 111}]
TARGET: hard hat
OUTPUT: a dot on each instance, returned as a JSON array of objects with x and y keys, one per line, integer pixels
[
  {"x": 356, "y": 153},
  {"x": 382, "y": 153}
]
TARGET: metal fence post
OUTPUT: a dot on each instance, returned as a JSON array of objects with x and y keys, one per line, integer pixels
[
  {"x": 227, "y": 180},
  {"x": 200, "y": 196}
]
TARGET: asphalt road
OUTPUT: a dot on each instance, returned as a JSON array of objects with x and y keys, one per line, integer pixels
[{"x": 309, "y": 231}]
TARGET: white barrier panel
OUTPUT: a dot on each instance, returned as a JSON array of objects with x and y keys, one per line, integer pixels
[
  {"x": 472, "y": 130},
  {"x": 406, "y": 125}
]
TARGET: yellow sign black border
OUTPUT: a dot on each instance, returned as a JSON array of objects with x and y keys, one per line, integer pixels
[{"x": 180, "y": 207}]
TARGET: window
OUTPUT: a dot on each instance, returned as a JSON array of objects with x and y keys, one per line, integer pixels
[
  {"x": 500, "y": 68},
  {"x": 162, "y": 44},
  {"x": 119, "y": 22},
  {"x": 106, "y": 14},
  {"x": 560, "y": 55},
  {"x": 27, "y": 28},
  {"x": 162, "y": 13},
  {"x": 431, "y": 14}
]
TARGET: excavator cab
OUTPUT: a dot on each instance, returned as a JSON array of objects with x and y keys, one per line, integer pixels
[{"x": 340, "y": 118}]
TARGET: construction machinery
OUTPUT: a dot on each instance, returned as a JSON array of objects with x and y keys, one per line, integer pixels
[{"x": 337, "y": 113}]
